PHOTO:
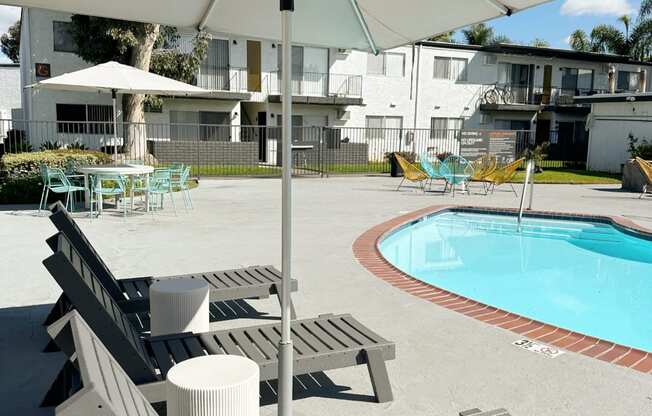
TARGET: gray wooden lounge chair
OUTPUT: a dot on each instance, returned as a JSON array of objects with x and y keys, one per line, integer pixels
[
  {"x": 249, "y": 282},
  {"x": 104, "y": 387},
  {"x": 323, "y": 343}
]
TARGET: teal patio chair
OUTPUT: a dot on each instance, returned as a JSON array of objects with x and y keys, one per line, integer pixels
[
  {"x": 108, "y": 185},
  {"x": 55, "y": 180},
  {"x": 432, "y": 169},
  {"x": 456, "y": 171},
  {"x": 71, "y": 173},
  {"x": 160, "y": 183}
]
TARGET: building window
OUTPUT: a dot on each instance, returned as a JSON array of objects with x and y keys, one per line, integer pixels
[
  {"x": 445, "y": 128},
  {"x": 627, "y": 81},
  {"x": 514, "y": 125},
  {"x": 84, "y": 119},
  {"x": 489, "y": 60},
  {"x": 576, "y": 81},
  {"x": 453, "y": 69},
  {"x": 389, "y": 64},
  {"x": 383, "y": 127},
  {"x": 202, "y": 125},
  {"x": 63, "y": 40},
  {"x": 297, "y": 127}
]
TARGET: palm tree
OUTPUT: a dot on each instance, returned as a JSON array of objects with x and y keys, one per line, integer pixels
[
  {"x": 635, "y": 41},
  {"x": 540, "y": 43},
  {"x": 479, "y": 34},
  {"x": 444, "y": 37}
]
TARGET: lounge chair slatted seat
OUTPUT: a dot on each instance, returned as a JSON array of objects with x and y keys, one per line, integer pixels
[
  {"x": 249, "y": 282},
  {"x": 104, "y": 384},
  {"x": 323, "y": 343}
]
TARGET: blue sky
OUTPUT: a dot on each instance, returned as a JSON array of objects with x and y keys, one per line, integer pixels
[
  {"x": 553, "y": 22},
  {"x": 556, "y": 20}
]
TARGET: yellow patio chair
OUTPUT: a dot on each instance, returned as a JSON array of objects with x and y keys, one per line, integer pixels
[
  {"x": 646, "y": 170},
  {"x": 484, "y": 167},
  {"x": 503, "y": 175},
  {"x": 411, "y": 172}
]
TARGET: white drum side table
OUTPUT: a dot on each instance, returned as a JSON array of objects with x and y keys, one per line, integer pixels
[
  {"x": 179, "y": 305},
  {"x": 214, "y": 385}
]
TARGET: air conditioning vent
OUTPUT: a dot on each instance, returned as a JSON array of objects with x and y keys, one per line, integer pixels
[{"x": 343, "y": 51}]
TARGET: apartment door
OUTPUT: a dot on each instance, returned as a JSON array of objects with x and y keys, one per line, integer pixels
[
  {"x": 253, "y": 66},
  {"x": 543, "y": 130},
  {"x": 547, "y": 84}
]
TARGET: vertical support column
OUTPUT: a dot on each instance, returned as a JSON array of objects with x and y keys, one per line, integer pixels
[
  {"x": 285, "y": 345},
  {"x": 115, "y": 124}
]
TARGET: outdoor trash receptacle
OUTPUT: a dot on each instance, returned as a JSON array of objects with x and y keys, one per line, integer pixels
[
  {"x": 179, "y": 305},
  {"x": 213, "y": 385}
]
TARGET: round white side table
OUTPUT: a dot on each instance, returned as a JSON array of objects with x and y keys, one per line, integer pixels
[
  {"x": 213, "y": 385},
  {"x": 179, "y": 305}
]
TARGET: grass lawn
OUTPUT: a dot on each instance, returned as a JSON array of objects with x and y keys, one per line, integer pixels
[
  {"x": 571, "y": 176},
  {"x": 261, "y": 170}
]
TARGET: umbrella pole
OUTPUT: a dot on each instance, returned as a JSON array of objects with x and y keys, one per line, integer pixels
[
  {"x": 115, "y": 124},
  {"x": 285, "y": 345}
]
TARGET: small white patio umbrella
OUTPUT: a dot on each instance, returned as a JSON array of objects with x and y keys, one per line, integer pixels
[
  {"x": 116, "y": 78},
  {"x": 368, "y": 25}
]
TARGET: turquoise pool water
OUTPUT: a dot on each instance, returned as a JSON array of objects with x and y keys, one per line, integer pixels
[{"x": 582, "y": 276}]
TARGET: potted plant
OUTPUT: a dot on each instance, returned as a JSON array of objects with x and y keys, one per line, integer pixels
[
  {"x": 537, "y": 155},
  {"x": 396, "y": 170}
]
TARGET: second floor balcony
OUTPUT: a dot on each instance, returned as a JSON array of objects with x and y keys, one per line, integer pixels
[
  {"x": 313, "y": 84},
  {"x": 513, "y": 95}
]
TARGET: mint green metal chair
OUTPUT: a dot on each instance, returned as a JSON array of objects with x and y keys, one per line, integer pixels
[
  {"x": 456, "y": 171},
  {"x": 108, "y": 185},
  {"x": 183, "y": 187},
  {"x": 160, "y": 183},
  {"x": 432, "y": 169},
  {"x": 55, "y": 180}
]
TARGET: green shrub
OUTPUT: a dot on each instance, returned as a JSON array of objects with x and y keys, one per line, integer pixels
[
  {"x": 20, "y": 177},
  {"x": 27, "y": 164}
]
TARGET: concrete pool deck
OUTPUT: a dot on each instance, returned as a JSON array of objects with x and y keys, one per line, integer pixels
[{"x": 446, "y": 362}]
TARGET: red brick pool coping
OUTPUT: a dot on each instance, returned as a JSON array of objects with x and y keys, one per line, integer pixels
[{"x": 366, "y": 251}]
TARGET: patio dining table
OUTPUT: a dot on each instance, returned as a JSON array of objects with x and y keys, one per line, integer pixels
[{"x": 129, "y": 171}]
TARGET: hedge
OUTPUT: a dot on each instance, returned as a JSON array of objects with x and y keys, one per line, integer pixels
[{"x": 20, "y": 177}]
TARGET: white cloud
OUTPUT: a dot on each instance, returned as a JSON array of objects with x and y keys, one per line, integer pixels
[{"x": 593, "y": 7}]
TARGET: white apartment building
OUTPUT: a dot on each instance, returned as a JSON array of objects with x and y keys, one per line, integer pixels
[
  {"x": 10, "y": 91},
  {"x": 433, "y": 86}
]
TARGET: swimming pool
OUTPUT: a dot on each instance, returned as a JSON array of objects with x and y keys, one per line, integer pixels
[{"x": 587, "y": 277}]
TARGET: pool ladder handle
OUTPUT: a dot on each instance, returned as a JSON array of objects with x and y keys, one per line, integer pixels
[{"x": 529, "y": 180}]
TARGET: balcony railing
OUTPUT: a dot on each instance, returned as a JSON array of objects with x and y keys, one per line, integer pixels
[
  {"x": 318, "y": 84},
  {"x": 231, "y": 78},
  {"x": 529, "y": 95}
]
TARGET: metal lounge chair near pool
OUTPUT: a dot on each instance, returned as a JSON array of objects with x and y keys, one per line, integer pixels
[
  {"x": 103, "y": 383},
  {"x": 323, "y": 343},
  {"x": 410, "y": 172},
  {"x": 646, "y": 170},
  {"x": 432, "y": 169},
  {"x": 456, "y": 171},
  {"x": 249, "y": 282},
  {"x": 503, "y": 175},
  {"x": 483, "y": 168}
]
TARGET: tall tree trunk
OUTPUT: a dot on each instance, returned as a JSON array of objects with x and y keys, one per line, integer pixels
[{"x": 132, "y": 104}]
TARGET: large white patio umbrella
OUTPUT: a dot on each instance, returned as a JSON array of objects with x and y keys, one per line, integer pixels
[
  {"x": 368, "y": 25},
  {"x": 116, "y": 78}
]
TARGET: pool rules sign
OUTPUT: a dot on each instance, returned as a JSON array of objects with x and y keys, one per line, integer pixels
[{"x": 476, "y": 143}]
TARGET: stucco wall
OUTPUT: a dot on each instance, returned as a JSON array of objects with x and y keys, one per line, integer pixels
[{"x": 612, "y": 123}]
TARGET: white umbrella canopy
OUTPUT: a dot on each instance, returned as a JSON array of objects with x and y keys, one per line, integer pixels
[
  {"x": 115, "y": 77},
  {"x": 368, "y": 25},
  {"x": 329, "y": 23}
]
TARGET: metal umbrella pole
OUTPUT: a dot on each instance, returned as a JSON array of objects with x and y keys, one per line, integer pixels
[
  {"x": 115, "y": 124},
  {"x": 285, "y": 345}
]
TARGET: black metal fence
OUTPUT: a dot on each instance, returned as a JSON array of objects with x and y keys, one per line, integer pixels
[{"x": 226, "y": 150}]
